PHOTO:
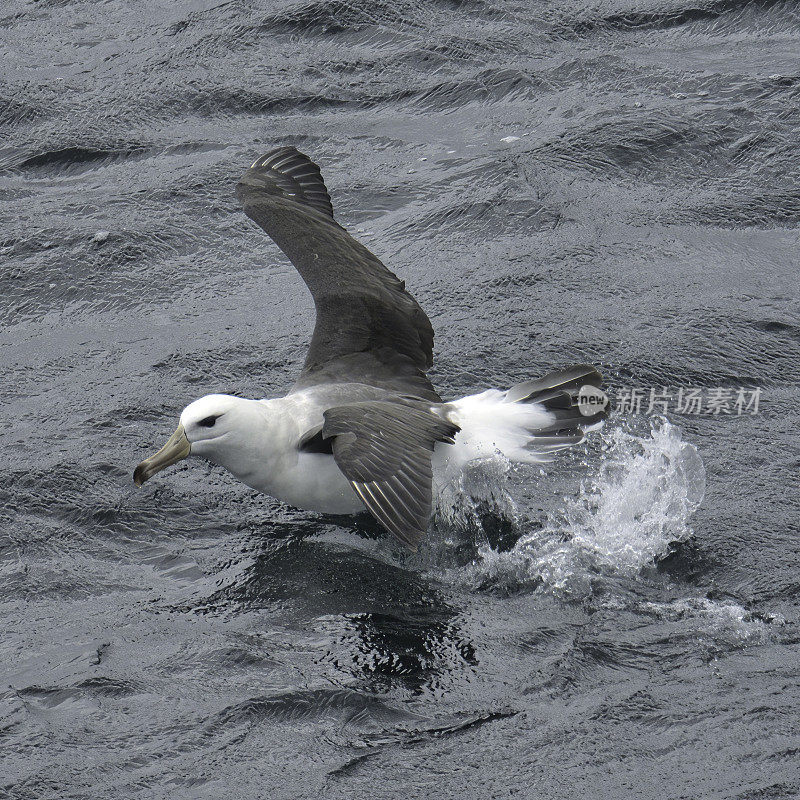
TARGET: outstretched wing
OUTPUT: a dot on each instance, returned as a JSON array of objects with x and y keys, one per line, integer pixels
[
  {"x": 384, "y": 449},
  {"x": 369, "y": 329}
]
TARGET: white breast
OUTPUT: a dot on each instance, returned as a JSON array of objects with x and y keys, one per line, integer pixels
[
  {"x": 314, "y": 483},
  {"x": 271, "y": 463}
]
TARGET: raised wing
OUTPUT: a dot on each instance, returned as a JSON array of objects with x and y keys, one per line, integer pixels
[
  {"x": 384, "y": 449},
  {"x": 369, "y": 329}
]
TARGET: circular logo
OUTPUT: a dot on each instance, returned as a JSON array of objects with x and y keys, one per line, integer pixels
[{"x": 591, "y": 400}]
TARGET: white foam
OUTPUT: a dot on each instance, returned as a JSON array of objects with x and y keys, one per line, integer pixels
[
  {"x": 722, "y": 621},
  {"x": 636, "y": 506},
  {"x": 479, "y": 485}
]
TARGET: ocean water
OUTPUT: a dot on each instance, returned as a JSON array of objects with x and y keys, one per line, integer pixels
[{"x": 557, "y": 182}]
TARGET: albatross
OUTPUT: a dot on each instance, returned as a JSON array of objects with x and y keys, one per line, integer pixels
[{"x": 363, "y": 427}]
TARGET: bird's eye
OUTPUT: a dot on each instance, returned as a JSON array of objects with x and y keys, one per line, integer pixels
[{"x": 208, "y": 422}]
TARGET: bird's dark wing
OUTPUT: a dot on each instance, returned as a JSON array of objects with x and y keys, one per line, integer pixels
[
  {"x": 369, "y": 329},
  {"x": 384, "y": 449}
]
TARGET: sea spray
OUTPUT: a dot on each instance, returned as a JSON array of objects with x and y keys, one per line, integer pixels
[{"x": 634, "y": 508}]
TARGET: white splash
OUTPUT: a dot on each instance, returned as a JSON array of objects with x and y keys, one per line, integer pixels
[
  {"x": 638, "y": 505},
  {"x": 480, "y": 485},
  {"x": 717, "y": 623}
]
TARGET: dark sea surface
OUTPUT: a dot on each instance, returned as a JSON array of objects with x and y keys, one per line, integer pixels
[{"x": 615, "y": 183}]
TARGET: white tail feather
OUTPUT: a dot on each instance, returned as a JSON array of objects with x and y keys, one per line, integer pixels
[{"x": 492, "y": 425}]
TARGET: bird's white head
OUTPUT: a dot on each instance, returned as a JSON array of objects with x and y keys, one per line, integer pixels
[{"x": 226, "y": 430}]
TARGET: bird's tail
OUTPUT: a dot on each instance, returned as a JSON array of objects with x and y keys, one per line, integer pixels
[{"x": 530, "y": 421}]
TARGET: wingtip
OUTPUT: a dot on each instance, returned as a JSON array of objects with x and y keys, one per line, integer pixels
[
  {"x": 288, "y": 173},
  {"x": 412, "y": 542},
  {"x": 287, "y": 151}
]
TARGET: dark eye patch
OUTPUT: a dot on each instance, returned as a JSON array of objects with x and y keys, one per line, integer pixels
[{"x": 208, "y": 422}]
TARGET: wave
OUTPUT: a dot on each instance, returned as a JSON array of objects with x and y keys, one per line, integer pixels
[{"x": 662, "y": 18}]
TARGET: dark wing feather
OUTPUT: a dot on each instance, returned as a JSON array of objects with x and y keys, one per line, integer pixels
[
  {"x": 369, "y": 329},
  {"x": 384, "y": 449},
  {"x": 296, "y": 176},
  {"x": 568, "y": 379}
]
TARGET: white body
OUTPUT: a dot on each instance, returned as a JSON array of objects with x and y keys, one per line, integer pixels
[{"x": 260, "y": 444}]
